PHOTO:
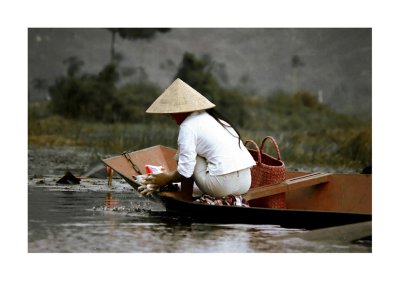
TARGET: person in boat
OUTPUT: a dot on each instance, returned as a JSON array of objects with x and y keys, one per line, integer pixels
[{"x": 210, "y": 151}]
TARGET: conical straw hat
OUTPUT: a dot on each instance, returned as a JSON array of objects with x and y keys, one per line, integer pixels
[{"x": 179, "y": 97}]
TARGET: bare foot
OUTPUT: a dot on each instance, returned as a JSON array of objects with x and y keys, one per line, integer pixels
[{"x": 177, "y": 195}]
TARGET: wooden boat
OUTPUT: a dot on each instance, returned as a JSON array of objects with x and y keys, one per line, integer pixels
[{"x": 313, "y": 200}]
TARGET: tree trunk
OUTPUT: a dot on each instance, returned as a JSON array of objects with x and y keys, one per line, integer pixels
[{"x": 112, "y": 46}]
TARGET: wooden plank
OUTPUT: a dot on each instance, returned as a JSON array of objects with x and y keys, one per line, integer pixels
[
  {"x": 343, "y": 193},
  {"x": 287, "y": 185}
]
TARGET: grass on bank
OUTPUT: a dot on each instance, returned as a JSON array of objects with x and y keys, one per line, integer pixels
[{"x": 307, "y": 138}]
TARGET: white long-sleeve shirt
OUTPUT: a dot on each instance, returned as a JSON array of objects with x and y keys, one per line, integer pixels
[{"x": 200, "y": 134}]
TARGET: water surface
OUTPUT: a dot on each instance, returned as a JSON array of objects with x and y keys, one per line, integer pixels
[{"x": 92, "y": 218}]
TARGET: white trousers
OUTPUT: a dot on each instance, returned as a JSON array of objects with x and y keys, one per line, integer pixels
[{"x": 235, "y": 183}]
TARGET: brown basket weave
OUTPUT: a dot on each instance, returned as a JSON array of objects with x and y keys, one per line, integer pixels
[{"x": 268, "y": 170}]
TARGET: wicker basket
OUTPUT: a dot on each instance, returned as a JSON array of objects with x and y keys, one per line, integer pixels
[{"x": 268, "y": 170}]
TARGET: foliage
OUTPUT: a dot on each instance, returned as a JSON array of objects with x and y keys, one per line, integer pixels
[
  {"x": 83, "y": 96},
  {"x": 106, "y": 138},
  {"x": 131, "y": 102},
  {"x": 194, "y": 72},
  {"x": 359, "y": 147},
  {"x": 90, "y": 110},
  {"x": 335, "y": 148},
  {"x": 197, "y": 73}
]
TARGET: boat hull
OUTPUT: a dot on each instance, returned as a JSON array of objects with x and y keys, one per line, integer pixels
[
  {"x": 338, "y": 199},
  {"x": 288, "y": 218}
]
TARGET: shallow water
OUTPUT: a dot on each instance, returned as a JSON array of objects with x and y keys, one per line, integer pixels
[{"x": 92, "y": 218}]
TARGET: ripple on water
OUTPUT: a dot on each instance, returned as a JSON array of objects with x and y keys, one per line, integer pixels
[{"x": 100, "y": 220}]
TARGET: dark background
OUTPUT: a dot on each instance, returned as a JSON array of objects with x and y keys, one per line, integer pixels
[{"x": 333, "y": 63}]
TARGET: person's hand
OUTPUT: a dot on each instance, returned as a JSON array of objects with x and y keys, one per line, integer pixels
[
  {"x": 147, "y": 189},
  {"x": 158, "y": 180}
]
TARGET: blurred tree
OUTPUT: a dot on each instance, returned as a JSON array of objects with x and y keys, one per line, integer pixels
[
  {"x": 83, "y": 96},
  {"x": 296, "y": 64},
  {"x": 74, "y": 65},
  {"x": 39, "y": 84},
  {"x": 131, "y": 101},
  {"x": 307, "y": 99},
  {"x": 217, "y": 69},
  {"x": 197, "y": 73},
  {"x": 133, "y": 34}
]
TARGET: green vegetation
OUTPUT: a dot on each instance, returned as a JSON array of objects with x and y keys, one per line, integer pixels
[{"x": 91, "y": 111}]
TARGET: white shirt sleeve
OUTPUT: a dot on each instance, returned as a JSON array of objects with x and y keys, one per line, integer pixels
[{"x": 187, "y": 143}]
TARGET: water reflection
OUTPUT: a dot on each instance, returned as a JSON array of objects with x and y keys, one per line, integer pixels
[
  {"x": 71, "y": 221},
  {"x": 110, "y": 201}
]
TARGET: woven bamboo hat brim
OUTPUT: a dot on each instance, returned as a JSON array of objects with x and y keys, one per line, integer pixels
[{"x": 179, "y": 97}]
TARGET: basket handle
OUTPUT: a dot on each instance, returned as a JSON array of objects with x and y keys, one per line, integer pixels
[
  {"x": 275, "y": 144},
  {"x": 257, "y": 149}
]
